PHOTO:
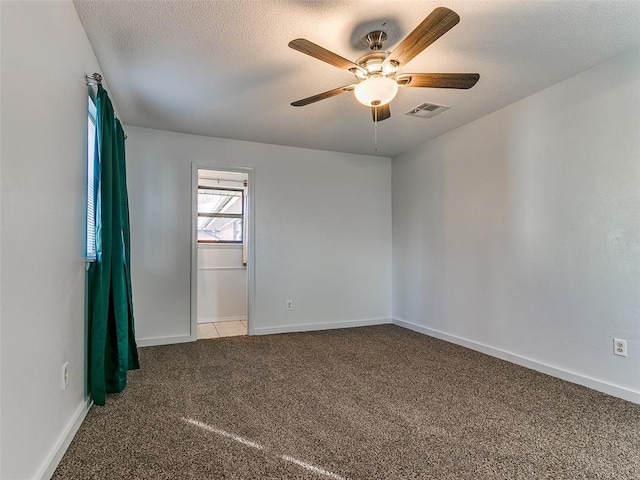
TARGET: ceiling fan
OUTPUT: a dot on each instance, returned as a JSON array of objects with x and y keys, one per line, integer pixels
[{"x": 377, "y": 72}]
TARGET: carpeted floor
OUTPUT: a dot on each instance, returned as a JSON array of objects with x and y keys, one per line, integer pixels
[{"x": 363, "y": 403}]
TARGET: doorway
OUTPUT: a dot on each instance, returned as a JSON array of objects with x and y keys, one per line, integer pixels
[{"x": 221, "y": 241}]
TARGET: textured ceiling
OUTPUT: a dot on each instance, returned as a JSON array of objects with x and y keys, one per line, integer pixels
[{"x": 223, "y": 68}]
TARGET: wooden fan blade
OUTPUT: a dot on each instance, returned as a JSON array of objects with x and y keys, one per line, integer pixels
[
  {"x": 316, "y": 51},
  {"x": 439, "y": 22},
  {"x": 322, "y": 96},
  {"x": 383, "y": 112},
  {"x": 438, "y": 80}
]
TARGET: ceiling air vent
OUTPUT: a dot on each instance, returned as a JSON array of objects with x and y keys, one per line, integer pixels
[{"x": 427, "y": 110}]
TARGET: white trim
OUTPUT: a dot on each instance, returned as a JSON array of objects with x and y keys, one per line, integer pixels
[
  {"x": 57, "y": 452},
  {"x": 200, "y": 269},
  {"x": 310, "y": 327},
  {"x": 213, "y": 245},
  {"x": 153, "y": 341},
  {"x": 222, "y": 319},
  {"x": 593, "y": 383},
  {"x": 193, "y": 324}
]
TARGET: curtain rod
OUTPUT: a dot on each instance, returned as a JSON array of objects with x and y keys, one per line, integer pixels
[{"x": 95, "y": 79}]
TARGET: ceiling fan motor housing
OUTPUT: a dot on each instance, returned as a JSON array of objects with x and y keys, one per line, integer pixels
[{"x": 374, "y": 64}]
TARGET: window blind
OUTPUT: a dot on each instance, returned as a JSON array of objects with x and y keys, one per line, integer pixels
[{"x": 90, "y": 253}]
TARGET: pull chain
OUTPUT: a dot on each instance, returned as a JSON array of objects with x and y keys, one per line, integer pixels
[{"x": 375, "y": 130}]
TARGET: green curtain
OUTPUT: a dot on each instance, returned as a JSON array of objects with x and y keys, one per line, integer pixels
[{"x": 112, "y": 345}]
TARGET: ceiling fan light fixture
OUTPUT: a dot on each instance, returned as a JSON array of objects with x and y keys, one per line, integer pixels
[
  {"x": 360, "y": 74},
  {"x": 374, "y": 67},
  {"x": 390, "y": 68},
  {"x": 376, "y": 91}
]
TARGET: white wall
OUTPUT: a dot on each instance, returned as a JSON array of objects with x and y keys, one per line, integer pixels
[
  {"x": 45, "y": 55},
  {"x": 222, "y": 283},
  {"x": 322, "y": 233},
  {"x": 518, "y": 234}
]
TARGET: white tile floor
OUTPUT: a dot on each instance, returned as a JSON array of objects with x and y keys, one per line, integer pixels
[{"x": 222, "y": 329}]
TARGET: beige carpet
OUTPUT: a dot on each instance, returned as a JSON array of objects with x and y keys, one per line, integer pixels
[{"x": 364, "y": 403}]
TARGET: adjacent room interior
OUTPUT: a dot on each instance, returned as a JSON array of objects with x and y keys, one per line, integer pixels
[
  {"x": 443, "y": 282},
  {"x": 222, "y": 254}
]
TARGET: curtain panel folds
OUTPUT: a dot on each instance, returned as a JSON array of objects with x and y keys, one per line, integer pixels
[{"x": 112, "y": 346}]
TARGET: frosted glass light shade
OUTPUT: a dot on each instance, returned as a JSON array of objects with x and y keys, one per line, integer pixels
[{"x": 376, "y": 91}]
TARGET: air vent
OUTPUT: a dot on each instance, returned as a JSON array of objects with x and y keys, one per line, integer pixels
[{"x": 427, "y": 110}]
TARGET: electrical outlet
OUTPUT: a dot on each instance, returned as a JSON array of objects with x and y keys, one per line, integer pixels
[
  {"x": 289, "y": 305},
  {"x": 65, "y": 376},
  {"x": 620, "y": 347}
]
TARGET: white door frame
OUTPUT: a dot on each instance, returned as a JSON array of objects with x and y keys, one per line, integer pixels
[{"x": 250, "y": 241}]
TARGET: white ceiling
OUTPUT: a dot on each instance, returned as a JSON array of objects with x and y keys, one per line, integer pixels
[{"x": 223, "y": 68}]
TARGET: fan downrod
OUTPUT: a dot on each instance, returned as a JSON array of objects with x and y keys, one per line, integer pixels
[
  {"x": 373, "y": 61},
  {"x": 375, "y": 40}
]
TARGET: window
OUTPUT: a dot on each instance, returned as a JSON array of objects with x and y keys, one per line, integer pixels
[
  {"x": 220, "y": 214},
  {"x": 90, "y": 253}
]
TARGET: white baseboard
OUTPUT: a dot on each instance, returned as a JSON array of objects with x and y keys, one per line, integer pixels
[
  {"x": 153, "y": 341},
  {"x": 599, "y": 385},
  {"x": 310, "y": 327},
  {"x": 60, "y": 447},
  {"x": 222, "y": 319}
]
